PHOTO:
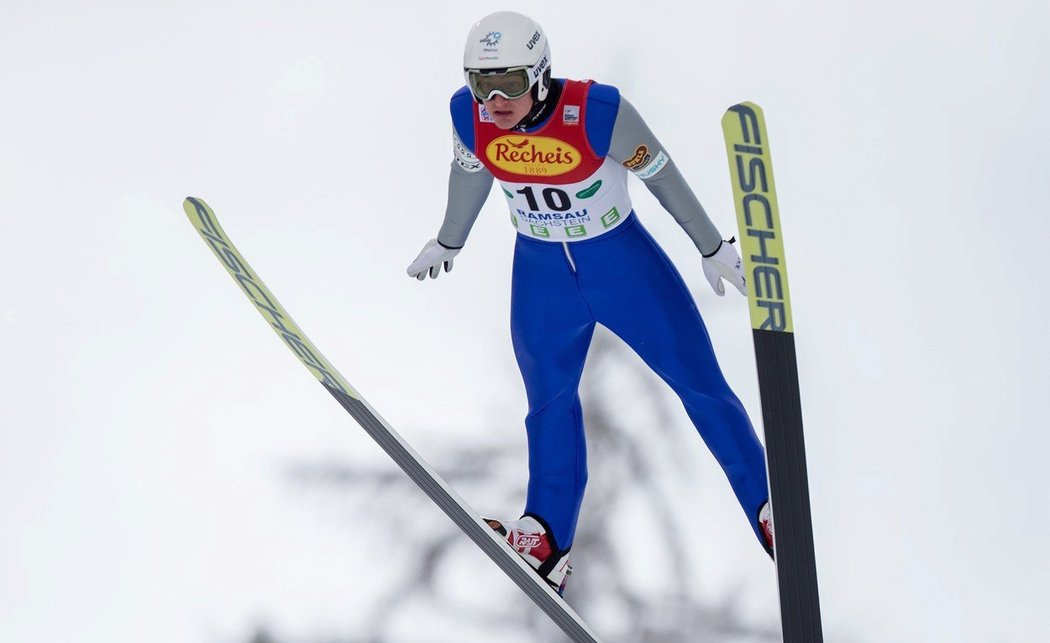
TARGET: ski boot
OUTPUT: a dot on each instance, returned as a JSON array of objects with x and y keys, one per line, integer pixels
[
  {"x": 765, "y": 526},
  {"x": 530, "y": 539}
]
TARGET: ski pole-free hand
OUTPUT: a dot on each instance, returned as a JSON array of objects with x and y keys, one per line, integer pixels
[
  {"x": 431, "y": 259},
  {"x": 725, "y": 264}
]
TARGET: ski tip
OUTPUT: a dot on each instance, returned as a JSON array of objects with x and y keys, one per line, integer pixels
[
  {"x": 742, "y": 103},
  {"x": 195, "y": 207},
  {"x": 742, "y": 107},
  {"x": 193, "y": 203}
]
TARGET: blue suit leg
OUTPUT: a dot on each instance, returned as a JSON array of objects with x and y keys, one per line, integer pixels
[
  {"x": 551, "y": 329},
  {"x": 635, "y": 291}
]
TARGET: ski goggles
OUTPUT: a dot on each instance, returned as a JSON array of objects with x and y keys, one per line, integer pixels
[{"x": 508, "y": 83}]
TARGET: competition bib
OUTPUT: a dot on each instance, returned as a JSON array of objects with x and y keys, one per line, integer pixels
[
  {"x": 570, "y": 211},
  {"x": 557, "y": 188}
]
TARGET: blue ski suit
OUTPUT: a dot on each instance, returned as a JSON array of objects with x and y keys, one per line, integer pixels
[{"x": 583, "y": 258}]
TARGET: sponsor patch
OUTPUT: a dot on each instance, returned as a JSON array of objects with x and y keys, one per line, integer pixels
[
  {"x": 641, "y": 157},
  {"x": 571, "y": 115},
  {"x": 526, "y": 541},
  {"x": 653, "y": 167},
  {"x": 464, "y": 157},
  {"x": 492, "y": 39},
  {"x": 541, "y": 67},
  {"x": 590, "y": 191},
  {"x": 533, "y": 155},
  {"x": 483, "y": 114}
]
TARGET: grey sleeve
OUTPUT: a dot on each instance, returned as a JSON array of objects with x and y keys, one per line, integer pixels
[
  {"x": 635, "y": 146},
  {"x": 469, "y": 184}
]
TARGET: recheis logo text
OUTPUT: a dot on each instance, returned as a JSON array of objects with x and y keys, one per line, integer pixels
[{"x": 533, "y": 155}]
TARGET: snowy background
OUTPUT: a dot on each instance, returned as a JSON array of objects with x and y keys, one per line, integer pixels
[{"x": 169, "y": 473}]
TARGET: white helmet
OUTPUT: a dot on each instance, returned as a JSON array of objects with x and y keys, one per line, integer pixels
[{"x": 507, "y": 54}]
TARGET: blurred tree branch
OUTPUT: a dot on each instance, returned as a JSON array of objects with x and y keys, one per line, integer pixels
[{"x": 645, "y": 462}]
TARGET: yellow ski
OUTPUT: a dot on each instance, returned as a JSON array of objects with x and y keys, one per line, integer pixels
[
  {"x": 762, "y": 249},
  {"x": 203, "y": 219}
]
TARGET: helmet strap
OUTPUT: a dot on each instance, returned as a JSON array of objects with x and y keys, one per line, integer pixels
[{"x": 541, "y": 109}]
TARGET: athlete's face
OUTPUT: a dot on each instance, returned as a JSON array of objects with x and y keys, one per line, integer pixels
[{"x": 508, "y": 112}]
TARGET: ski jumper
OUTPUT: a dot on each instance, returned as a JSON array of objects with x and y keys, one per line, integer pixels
[{"x": 581, "y": 258}]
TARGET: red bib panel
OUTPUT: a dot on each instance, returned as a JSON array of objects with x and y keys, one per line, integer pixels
[{"x": 558, "y": 153}]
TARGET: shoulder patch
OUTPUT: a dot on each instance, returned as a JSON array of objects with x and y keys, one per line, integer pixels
[
  {"x": 652, "y": 166},
  {"x": 640, "y": 157},
  {"x": 464, "y": 157}
]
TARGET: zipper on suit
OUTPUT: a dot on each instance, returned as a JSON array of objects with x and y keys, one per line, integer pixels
[{"x": 568, "y": 255}]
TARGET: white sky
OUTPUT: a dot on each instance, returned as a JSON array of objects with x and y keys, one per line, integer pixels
[{"x": 146, "y": 411}]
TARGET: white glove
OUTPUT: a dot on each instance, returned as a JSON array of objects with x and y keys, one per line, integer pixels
[
  {"x": 430, "y": 260},
  {"x": 725, "y": 264}
]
